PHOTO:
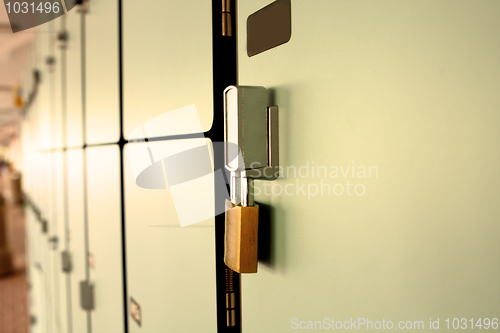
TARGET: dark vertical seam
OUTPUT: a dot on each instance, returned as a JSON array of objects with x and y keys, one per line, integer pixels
[{"x": 122, "y": 177}]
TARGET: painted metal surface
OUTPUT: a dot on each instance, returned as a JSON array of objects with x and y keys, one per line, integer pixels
[{"x": 407, "y": 89}]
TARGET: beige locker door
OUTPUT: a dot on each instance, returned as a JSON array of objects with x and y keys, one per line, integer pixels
[
  {"x": 43, "y": 111},
  {"x": 101, "y": 72},
  {"x": 167, "y": 90},
  {"x": 46, "y": 255},
  {"x": 54, "y": 239},
  {"x": 170, "y": 269},
  {"x": 59, "y": 180},
  {"x": 74, "y": 79},
  {"x": 37, "y": 301},
  {"x": 44, "y": 99},
  {"x": 61, "y": 278},
  {"x": 409, "y": 88},
  {"x": 167, "y": 66},
  {"x": 77, "y": 248},
  {"x": 80, "y": 318},
  {"x": 59, "y": 73},
  {"x": 104, "y": 237},
  {"x": 32, "y": 229},
  {"x": 57, "y": 230}
]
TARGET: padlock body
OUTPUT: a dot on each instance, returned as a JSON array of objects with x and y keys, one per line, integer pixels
[{"x": 241, "y": 239}]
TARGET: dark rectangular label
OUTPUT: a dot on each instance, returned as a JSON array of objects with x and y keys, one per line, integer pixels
[{"x": 269, "y": 27}]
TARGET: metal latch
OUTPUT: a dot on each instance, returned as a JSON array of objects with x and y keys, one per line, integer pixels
[
  {"x": 50, "y": 61},
  {"x": 87, "y": 295},
  {"x": 251, "y": 152},
  {"x": 83, "y": 6},
  {"x": 62, "y": 39},
  {"x": 251, "y": 136},
  {"x": 67, "y": 265},
  {"x": 45, "y": 226}
]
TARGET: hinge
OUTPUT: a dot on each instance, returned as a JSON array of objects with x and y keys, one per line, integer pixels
[
  {"x": 66, "y": 261},
  {"x": 227, "y": 18},
  {"x": 230, "y": 298},
  {"x": 87, "y": 295}
]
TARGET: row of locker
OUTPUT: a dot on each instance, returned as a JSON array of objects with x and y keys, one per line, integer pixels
[
  {"x": 408, "y": 87},
  {"x": 89, "y": 53},
  {"x": 73, "y": 163},
  {"x": 167, "y": 267}
]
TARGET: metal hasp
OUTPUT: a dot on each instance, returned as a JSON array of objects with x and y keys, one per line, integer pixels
[
  {"x": 83, "y": 6},
  {"x": 54, "y": 240},
  {"x": 50, "y": 61},
  {"x": 252, "y": 126},
  {"x": 45, "y": 226},
  {"x": 251, "y": 152},
  {"x": 62, "y": 39},
  {"x": 66, "y": 261},
  {"x": 87, "y": 295}
]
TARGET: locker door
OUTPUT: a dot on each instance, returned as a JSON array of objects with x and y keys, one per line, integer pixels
[
  {"x": 74, "y": 79},
  {"x": 55, "y": 216},
  {"x": 61, "y": 280},
  {"x": 77, "y": 246},
  {"x": 32, "y": 274},
  {"x": 44, "y": 49},
  {"x": 167, "y": 91},
  {"x": 43, "y": 170},
  {"x": 59, "y": 74},
  {"x": 37, "y": 302},
  {"x": 105, "y": 241},
  {"x": 101, "y": 72},
  {"x": 46, "y": 310},
  {"x": 79, "y": 318},
  {"x": 167, "y": 65},
  {"x": 54, "y": 239},
  {"x": 406, "y": 88},
  {"x": 59, "y": 182},
  {"x": 171, "y": 269}
]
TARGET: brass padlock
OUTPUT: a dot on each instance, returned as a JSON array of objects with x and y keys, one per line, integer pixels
[{"x": 241, "y": 238}]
